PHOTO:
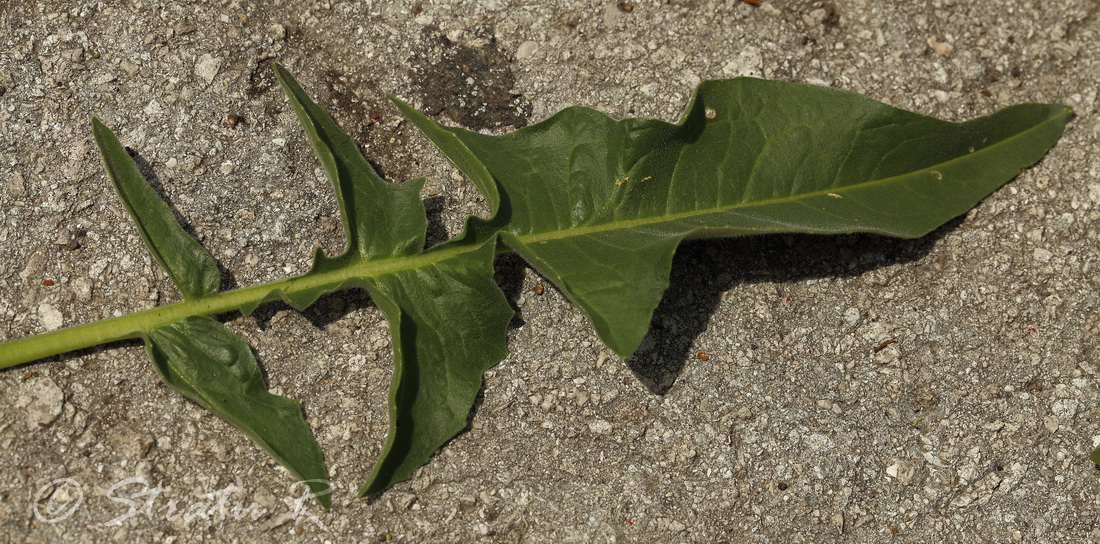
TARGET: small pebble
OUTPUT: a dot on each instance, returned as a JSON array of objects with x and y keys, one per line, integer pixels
[
  {"x": 942, "y": 49},
  {"x": 207, "y": 68},
  {"x": 41, "y": 401}
]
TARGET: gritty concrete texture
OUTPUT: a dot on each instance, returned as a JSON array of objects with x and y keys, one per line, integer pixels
[{"x": 758, "y": 410}]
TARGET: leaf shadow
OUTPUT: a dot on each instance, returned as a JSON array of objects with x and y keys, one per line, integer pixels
[
  {"x": 434, "y": 206},
  {"x": 228, "y": 281},
  {"x": 508, "y": 273},
  {"x": 326, "y": 310},
  {"x": 703, "y": 270},
  {"x": 82, "y": 355}
]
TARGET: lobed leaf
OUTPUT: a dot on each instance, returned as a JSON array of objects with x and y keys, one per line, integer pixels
[
  {"x": 447, "y": 318},
  {"x": 596, "y": 205},
  {"x": 599, "y": 206}
]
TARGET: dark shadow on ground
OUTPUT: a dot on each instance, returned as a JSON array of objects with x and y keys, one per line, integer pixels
[
  {"x": 327, "y": 310},
  {"x": 508, "y": 274},
  {"x": 703, "y": 270},
  {"x": 433, "y": 209},
  {"x": 227, "y": 280}
]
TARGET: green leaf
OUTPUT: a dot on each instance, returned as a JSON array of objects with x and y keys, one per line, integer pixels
[
  {"x": 204, "y": 361},
  {"x": 380, "y": 219},
  {"x": 189, "y": 266},
  {"x": 447, "y": 323},
  {"x": 599, "y": 206},
  {"x": 198, "y": 356},
  {"x": 447, "y": 318}
]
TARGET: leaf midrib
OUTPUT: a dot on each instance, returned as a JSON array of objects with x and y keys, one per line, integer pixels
[{"x": 562, "y": 234}]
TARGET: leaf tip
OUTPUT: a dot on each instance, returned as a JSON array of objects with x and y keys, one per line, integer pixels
[
  {"x": 406, "y": 110},
  {"x": 280, "y": 72},
  {"x": 325, "y": 500},
  {"x": 395, "y": 100},
  {"x": 98, "y": 128},
  {"x": 624, "y": 348},
  {"x": 372, "y": 488},
  {"x": 286, "y": 80},
  {"x": 1068, "y": 113}
]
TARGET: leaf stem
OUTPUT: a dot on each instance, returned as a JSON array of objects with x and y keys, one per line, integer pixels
[{"x": 138, "y": 324}]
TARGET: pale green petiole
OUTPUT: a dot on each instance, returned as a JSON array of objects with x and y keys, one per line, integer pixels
[{"x": 136, "y": 325}]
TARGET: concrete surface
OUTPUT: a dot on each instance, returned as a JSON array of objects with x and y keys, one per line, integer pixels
[{"x": 759, "y": 410}]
